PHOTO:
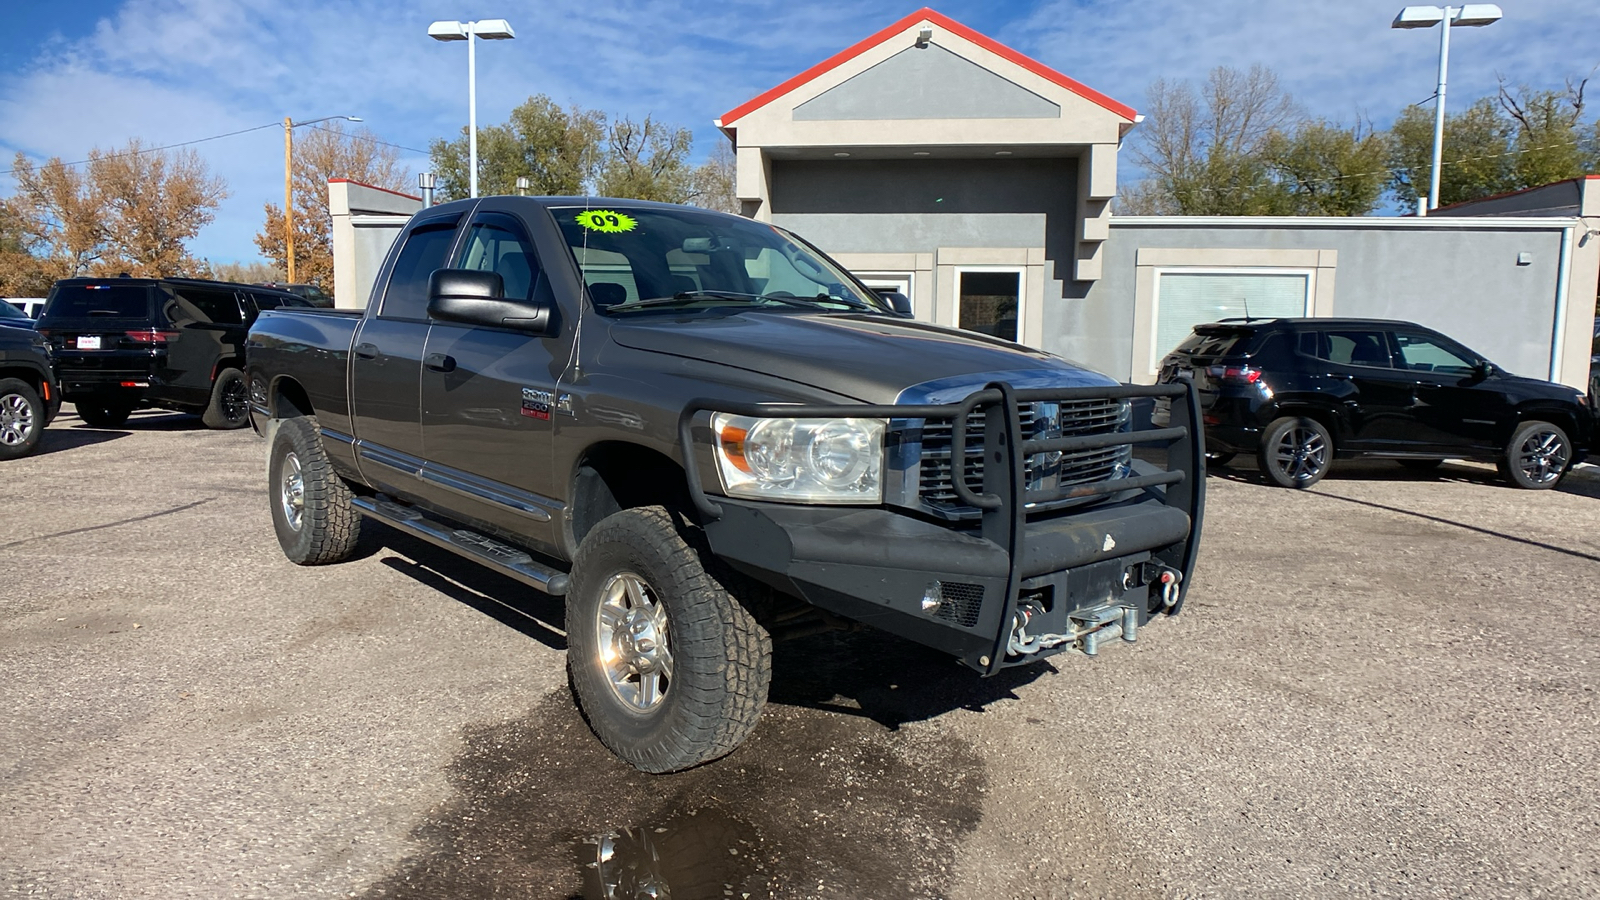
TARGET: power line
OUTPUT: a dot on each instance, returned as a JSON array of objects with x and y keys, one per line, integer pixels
[
  {"x": 369, "y": 139},
  {"x": 143, "y": 150}
]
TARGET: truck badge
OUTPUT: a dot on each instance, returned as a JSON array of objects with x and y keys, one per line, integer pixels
[{"x": 537, "y": 404}]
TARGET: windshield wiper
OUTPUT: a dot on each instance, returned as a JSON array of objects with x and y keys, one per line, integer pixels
[{"x": 819, "y": 302}]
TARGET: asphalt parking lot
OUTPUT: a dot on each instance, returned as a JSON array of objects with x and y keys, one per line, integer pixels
[{"x": 1384, "y": 686}]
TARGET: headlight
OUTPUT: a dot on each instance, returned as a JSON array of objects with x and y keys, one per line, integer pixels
[{"x": 800, "y": 460}]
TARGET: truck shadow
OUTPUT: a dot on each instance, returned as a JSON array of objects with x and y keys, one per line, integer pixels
[{"x": 60, "y": 440}]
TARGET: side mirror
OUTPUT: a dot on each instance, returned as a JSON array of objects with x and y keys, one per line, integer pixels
[
  {"x": 899, "y": 302},
  {"x": 1483, "y": 369},
  {"x": 473, "y": 297}
]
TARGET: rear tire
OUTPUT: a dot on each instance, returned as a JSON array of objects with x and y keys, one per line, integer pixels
[
  {"x": 1295, "y": 452},
  {"x": 103, "y": 413},
  {"x": 1537, "y": 457},
  {"x": 21, "y": 418},
  {"x": 667, "y": 665},
  {"x": 311, "y": 509},
  {"x": 230, "y": 402}
]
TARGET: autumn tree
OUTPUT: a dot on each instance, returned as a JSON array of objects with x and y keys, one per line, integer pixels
[
  {"x": 557, "y": 150},
  {"x": 59, "y": 215},
  {"x": 323, "y": 152},
  {"x": 712, "y": 182},
  {"x": 22, "y": 272}
]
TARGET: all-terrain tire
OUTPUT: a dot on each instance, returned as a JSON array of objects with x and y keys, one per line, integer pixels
[
  {"x": 21, "y": 418},
  {"x": 311, "y": 509},
  {"x": 103, "y": 413},
  {"x": 229, "y": 406},
  {"x": 641, "y": 573},
  {"x": 1537, "y": 457}
]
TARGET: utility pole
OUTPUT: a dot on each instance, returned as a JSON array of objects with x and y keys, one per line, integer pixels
[{"x": 288, "y": 199}]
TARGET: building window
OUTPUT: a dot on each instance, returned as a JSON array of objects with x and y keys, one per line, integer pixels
[
  {"x": 1185, "y": 298},
  {"x": 989, "y": 300}
]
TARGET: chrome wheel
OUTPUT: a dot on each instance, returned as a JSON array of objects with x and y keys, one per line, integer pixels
[
  {"x": 1543, "y": 455},
  {"x": 16, "y": 420},
  {"x": 292, "y": 492},
  {"x": 1301, "y": 453},
  {"x": 631, "y": 627}
]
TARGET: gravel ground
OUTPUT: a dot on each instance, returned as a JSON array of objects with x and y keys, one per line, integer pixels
[{"x": 1383, "y": 686}]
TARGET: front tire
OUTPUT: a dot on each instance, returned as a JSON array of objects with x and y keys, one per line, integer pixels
[
  {"x": 1295, "y": 452},
  {"x": 311, "y": 509},
  {"x": 1537, "y": 457},
  {"x": 103, "y": 413},
  {"x": 230, "y": 402},
  {"x": 21, "y": 418},
  {"x": 668, "y": 666}
]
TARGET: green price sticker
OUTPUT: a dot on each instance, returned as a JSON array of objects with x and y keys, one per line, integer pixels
[{"x": 606, "y": 220}]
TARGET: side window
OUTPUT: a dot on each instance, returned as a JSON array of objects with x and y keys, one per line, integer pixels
[
  {"x": 1423, "y": 354},
  {"x": 496, "y": 243},
  {"x": 1358, "y": 348},
  {"x": 221, "y": 307},
  {"x": 1310, "y": 344},
  {"x": 425, "y": 251}
]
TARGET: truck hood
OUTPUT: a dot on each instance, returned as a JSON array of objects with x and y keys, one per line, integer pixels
[{"x": 874, "y": 359}]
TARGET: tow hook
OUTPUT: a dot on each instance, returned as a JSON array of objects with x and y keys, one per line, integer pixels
[{"x": 1170, "y": 579}]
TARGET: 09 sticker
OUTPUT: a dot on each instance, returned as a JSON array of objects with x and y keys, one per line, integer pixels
[{"x": 607, "y": 220}]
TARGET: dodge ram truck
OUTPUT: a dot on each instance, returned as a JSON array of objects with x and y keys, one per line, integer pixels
[{"x": 704, "y": 434}]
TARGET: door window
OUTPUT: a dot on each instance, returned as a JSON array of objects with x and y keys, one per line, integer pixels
[
  {"x": 989, "y": 302},
  {"x": 425, "y": 251},
  {"x": 496, "y": 243},
  {"x": 1356, "y": 348},
  {"x": 1424, "y": 354},
  {"x": 221, "y": 307}
]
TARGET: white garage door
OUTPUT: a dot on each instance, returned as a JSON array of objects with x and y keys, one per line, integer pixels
[{"x": 1185, "y": 299}]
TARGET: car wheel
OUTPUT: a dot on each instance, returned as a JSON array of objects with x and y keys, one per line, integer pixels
[
  {"x": 1538, "y": 455},
  {"x": 230, "y": 401},
  {"x": 1421, "y": 465},
  {"x": 311, "y": 509},
  {"x": 1219, "y": 458},
  {"x": 21, "y": 418},
  {"x": 667, "y": 665},
  {"x": 103, "y": 413},
  {"x": 1296, "y": 452}
]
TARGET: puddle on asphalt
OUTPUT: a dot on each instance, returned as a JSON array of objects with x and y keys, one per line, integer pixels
[{"x": 829, "y": 798}]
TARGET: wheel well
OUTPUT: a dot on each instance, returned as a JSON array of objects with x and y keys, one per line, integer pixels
[
  {"x": 1327, "y": 417},
  {"x": 1560, "y": 418},
  {"x": 28, "y": 375},
  {"x": 289, "y": 399},
  {"x": 615, "y": 476}
]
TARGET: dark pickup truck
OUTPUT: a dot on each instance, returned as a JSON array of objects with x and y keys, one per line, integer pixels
[{"x": 705, "y": 434}]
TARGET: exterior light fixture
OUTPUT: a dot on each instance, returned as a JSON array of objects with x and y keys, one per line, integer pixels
[
  {"x": 489, "y": 30},
  {"x": 1471, "y": 15}
]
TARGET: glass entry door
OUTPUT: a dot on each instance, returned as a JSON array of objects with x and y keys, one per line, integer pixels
[{"x": 989, "y": 301}]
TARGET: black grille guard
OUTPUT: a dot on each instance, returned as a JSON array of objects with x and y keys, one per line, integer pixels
[{"x": 1003, "y": 496}]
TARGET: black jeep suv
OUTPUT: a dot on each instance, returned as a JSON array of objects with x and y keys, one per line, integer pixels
[
  {"x": 1300, "y": 393},
  {"x": 174, "y": 343}
]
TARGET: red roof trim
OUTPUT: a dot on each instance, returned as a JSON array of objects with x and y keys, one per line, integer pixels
[
  {"x": 372, "y": 186},
  {"x": 948, "y": 24}
]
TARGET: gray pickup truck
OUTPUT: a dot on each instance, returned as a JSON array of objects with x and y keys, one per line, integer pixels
[{"x": 705, "y": 434}]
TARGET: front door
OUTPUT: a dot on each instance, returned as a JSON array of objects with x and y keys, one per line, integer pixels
[
  {"x": 490, "y": 399},
  {"x": 1457, "y": 408}
]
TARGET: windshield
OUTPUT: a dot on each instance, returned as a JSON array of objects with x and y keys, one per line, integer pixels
[{"x": 646, "y": 257}]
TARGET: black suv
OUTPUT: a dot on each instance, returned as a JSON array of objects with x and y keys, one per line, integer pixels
[
  {"x": 1300, "y": 393},
  {"x": 173, "y": 343},
  {"x": 29, "y": 395}
]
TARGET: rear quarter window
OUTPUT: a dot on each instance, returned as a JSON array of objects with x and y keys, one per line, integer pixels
[{"x": 107, "y": 301}]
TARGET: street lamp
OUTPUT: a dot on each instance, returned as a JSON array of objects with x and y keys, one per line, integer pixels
[
  {"x": 489, "y": 30},
  {"x": 288, "y": 199},
  {"x": 1472, "y": 15}
]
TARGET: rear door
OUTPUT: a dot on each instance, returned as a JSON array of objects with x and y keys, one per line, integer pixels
[
  {"x": 386, "y": 359},
  {"x": 1377, "y": 408},
  {"x": 489, "y": 396},
  {"x": 206, "y": 324}
]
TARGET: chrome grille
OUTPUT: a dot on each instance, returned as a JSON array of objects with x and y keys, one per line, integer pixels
[{"x": 1043, "y": 470}]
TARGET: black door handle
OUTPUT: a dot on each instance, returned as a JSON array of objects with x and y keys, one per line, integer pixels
[
  {"x": 1339, "y": 375},
  {"x": 367, "y": 351},
  {"x": 439, "y": 362}
]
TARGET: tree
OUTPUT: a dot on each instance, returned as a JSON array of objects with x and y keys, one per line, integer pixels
[
  {"x": 324, "y": 152},
  {"x": 1549, "y": 142},
  {"x": 558, "y": 150},
  {"x": 646, "y": 161},
  {"x": 59, "y": 215},
  {"x": 1328, "y": 170},
  {"x": 22, "y": 273},
  {"x": 712, "y": 183},
  {"x": 254, "y": 272}
]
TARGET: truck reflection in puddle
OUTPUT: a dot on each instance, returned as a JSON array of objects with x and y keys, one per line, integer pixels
[{"x": 701, "y": 855}]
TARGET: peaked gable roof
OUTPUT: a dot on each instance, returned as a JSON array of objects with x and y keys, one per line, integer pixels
[{"x": 935, "y": 18}]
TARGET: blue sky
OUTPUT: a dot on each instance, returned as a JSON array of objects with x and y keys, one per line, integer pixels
[{"x": 75, "y": 75}]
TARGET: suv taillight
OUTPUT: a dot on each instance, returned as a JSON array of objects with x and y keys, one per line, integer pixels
[
  {"x": 151, "y": 336},
  {"x": 1236, "y": 374}
]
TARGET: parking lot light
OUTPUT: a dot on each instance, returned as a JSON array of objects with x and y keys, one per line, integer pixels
[
  {"x": 489, "y": 30},
  {"x": 1471, "y": 15}
]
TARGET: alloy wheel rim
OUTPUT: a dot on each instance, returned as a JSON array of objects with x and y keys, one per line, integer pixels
[
  {"x": 16, "y": 420},
  {"x": 1542, "y": 456},
  {"x": 1301, "y": 454},
  {"x": 635, "y": 651},
  {"x": 292, "y": 492},
  {"x": 233, "y": 400}
]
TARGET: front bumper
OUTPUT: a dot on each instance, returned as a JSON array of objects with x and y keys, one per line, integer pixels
[{"x": 965, "y": 591}]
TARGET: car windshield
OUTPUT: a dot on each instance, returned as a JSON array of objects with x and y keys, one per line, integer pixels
[
  {"x": 649, "y": 257},
  {"x": 7, "y": 311}
]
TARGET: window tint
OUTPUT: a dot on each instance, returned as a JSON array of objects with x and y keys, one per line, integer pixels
[
  {"x": 1357, "y": 348},
  {"x": 274, "y": 301},
  {"x": 112, "y": 301},
  {"x": 1424, "y": 354},
  {"x": 211, "y": 305},
  {"x": 425, "y": 251},
  {"x": 1212, "y": 342},
  {"x": 496, "y": 243}
]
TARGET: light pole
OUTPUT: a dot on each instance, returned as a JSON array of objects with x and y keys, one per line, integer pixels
[
  {"x": 1472, "y": 15},
  {"x": 288, "y": 195},
  {"x": 489, "y": 30}
]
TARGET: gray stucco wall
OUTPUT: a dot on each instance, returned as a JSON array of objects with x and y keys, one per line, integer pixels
[
  {"x": 1463, "y": 282},
  {"x": 926, "y": 83}
]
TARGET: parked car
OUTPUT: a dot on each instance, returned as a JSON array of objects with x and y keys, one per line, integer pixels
[
  {"x": 30, "y": 306},
  {"x": 700, "y": 430},
  {"x": 1300, "y": 393},
  {"x": 29, "y": 395},
  {"x": 13, "y": 316},
  {"x": 308, "y": 292},
  {"x": 174, "y": 343}
]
